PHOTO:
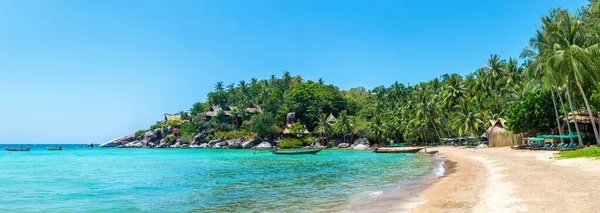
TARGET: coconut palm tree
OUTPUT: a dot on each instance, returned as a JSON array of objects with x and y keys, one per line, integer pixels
[
  {"x": 342, "y": 124},
  {"x": 322, "y": 127},
  {"x": 569, "y": 57},
  {"x": 466, "y": 121},
  {"x": 219, "y": 86}
]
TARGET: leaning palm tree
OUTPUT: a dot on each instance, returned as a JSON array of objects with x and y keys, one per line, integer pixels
[{"x": 569, "y": 56}]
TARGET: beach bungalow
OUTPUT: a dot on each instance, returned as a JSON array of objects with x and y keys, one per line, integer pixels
[
  {"x": 171, "y": 116},
  {"x": 497, "y": 135},
  {"x": 583, "y": 120},
  {"x": 331, "y": 119},
  {"x": 228, "y": 110}
]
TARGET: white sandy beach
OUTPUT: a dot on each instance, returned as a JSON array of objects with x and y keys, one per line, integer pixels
[{"x": 505, "y": 180}]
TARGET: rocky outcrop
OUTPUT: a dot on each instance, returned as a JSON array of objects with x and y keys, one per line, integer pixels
[
  {"x": 249, "y": 144},
  {"x": 362, "y": 141},
  {"x": 176, "y": 145},
  {"x": 234, "y": 143},
  {"x": 204, "y": 145},
  {"x": 264, "y": 145},
  {"x": 119, "y": 141},
  {"x": 343, "y": 145}
]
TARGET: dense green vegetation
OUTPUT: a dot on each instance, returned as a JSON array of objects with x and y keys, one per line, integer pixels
[
  {"x": 591, "y": 152},
  {"x": 558, "y": 74}
]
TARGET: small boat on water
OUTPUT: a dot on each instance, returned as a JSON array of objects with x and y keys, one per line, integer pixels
[
  {"x": 17, "y": 149},
  {"x": 304, "y": 152},
  {"x": 55, "y": 148},
  {"x": 397, "y": 150}
]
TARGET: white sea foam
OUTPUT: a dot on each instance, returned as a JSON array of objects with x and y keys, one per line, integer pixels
[{"x": 376, "y": 193}]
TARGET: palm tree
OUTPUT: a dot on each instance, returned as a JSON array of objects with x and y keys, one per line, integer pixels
[
  {"x": 466, "y": 121},
  {"x": 568, "y": 57},
  {"x": 343, "y": 125},
  {"x": 219, "y": 86},
  {"x": 322, "y": 127}
]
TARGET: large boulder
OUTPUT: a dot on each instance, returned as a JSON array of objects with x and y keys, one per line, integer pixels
[
  {"x": 264, "y": 145},
  {"x": 235, "y": 143},
  {"x": 152, "y": 136},
  {"x": 212, "y": 143},
  {"x": 360, "y": 147},
  {"x": 176, "y": 145},
  {"x": 198, "y": 139},
  {"x": 221, "y": 144},
  {"x": 119, "y": 141},
  {"x": 249, "y": 144},
  {"x": 204, "y": 145},
  {"x": 343, "y": 145},
  {"x": 362, "y": 141}
]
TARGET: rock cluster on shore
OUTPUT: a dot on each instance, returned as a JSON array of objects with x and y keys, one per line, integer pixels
[{"x": 156, "y": 139}]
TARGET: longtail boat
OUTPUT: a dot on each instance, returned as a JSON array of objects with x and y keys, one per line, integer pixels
[
  {"x": 55, "y": 148},
  {"x": 308, "y": 152},
  {"x": 397, "y": 150},
  {"x": 17, "y": 149}
]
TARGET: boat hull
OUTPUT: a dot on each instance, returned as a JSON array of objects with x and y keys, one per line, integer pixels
[
  {"x": 16, "y": 150},
  {"x": 310, "y": 152},
  {"x": 387, "y": 150}
]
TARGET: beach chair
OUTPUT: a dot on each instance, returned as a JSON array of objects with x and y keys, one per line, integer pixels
[
  {"x": 572, "y": 146},
  {"x": 560, "y": 145},
  {"x": 549, "y": 148}
]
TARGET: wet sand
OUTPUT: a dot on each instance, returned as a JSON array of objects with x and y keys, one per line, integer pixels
[{"x": 505, "y": 180}]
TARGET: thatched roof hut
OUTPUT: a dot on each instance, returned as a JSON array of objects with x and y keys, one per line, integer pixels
[
  {"x": 169, "y": 117},
  {"x": 331, "y": 119},
  {"x": 498, "y": 135},
  {"x": 582, "y": 116}
]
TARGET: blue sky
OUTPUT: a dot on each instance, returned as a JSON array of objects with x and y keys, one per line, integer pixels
[{"x": 88, "y": 71}]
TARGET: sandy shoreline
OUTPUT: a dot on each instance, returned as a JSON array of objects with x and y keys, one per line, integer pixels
[{"x": 505, "y": 180}]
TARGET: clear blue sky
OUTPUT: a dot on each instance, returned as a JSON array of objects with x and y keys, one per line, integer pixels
[{"x": 89, "y": 71}]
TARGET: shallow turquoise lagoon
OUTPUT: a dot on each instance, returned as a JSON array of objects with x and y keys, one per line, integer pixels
[{"x": 196, "y": 180}]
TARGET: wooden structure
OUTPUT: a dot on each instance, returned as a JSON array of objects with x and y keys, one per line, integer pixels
[{"x": 498, "y": 136}]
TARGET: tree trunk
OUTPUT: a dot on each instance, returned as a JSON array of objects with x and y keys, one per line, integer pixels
[
  {"x": 589, "y": 110},
  {"x": 436, "y": 131},
  {"x": 556, "y": 113},
  {"x": 565, "y": 112},
  {"x": 574, "y": 117}
]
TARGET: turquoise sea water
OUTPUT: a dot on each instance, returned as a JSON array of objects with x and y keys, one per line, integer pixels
[{"x": 196, "y": 180}]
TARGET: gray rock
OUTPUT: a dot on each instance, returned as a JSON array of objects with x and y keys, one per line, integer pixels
[
  {"x": 212, "y": 143},
  {"x": 198, "y": 139},
  {"x": 249, "y": 144},
  {"x": 169, "y": 129},
  {"x": 204, "y": 145},
  {"x": 152, "y": 137},
  {"x": 119, "y": 141},
  {"x": 234, "y": 143},
  {"x": 176, "y": 145},
  {"x": 343, "y": 145},
  {"x": 360, "y": 147},
  {"x": 135, "y": 144},
  {"x": 264, "y": 145},
  {"x": 221, "y": 144},
  {"x": 362, "y": 141}
]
